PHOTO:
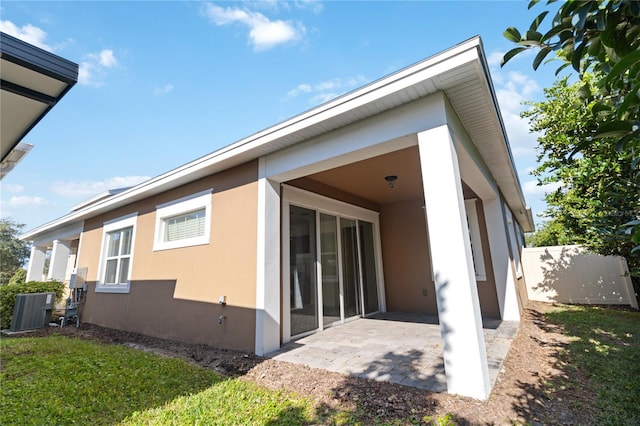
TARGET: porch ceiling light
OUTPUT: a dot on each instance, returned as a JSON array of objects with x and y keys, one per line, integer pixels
[{"x": 391, "y": 180}]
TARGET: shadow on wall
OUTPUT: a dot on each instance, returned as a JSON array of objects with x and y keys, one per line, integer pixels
[
  {"x": 150, "y": 308},
  {"x": 568, "y": 274}
]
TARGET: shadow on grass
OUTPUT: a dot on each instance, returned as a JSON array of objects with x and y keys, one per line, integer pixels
[{"x": 595, "y": 368}]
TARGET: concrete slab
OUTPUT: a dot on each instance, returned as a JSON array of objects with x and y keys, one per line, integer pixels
[{"x": 401, "y": 348}]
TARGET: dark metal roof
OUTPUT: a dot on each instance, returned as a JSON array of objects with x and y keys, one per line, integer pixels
[{"x": 32, "y": 81}]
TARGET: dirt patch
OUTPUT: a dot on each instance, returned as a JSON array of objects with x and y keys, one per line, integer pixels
[{"x": 530, "y": 387}]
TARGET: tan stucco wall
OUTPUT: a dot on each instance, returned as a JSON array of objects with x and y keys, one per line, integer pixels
[
  {"x": 489, "y": 306},
  {"x": 407, "y": 269},
  {"x": 405, "y": 258},
  {"x": 185, "y": 283}
]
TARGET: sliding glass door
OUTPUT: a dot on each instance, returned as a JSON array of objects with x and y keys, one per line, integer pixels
[
  {"x": 332, "y": 269},
  {"x": 302, "y": 270}
]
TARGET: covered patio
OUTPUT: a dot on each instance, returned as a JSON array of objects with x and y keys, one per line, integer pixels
[{"x": 402, "y": 348}]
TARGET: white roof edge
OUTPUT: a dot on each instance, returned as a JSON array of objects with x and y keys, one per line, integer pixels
[
  {"x": 100, "y": 196},
  {"x": 526, "y": 215},
  {"x": 320, "y": 113}
]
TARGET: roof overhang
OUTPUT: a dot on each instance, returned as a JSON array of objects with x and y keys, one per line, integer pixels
[
  {"x": 453, "y": 72},
  {"x": 32, "y": 81},
  {"x": 15, "y": 156}
]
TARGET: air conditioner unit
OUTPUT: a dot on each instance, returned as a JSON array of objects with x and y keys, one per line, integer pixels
[{"x": 32, "y": 311}]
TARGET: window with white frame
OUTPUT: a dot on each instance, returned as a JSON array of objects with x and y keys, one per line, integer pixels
[
  {"x": 476, "y": 240},
  {"x": 183, "y": 222},
  {"x": 116, "y": 256}
]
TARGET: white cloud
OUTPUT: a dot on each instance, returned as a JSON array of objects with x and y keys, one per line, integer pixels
[
  {"x": 532, "y": 188},
  {"x": 315, "y": 6},
  {"x": 513, "y": 89},
  {"x": 25, "y": 200},
  {"x": 263, "y": 33},
  {"x": 13, "y": 188},
  {"x": 163, "y": 90},
  {"x": 93, "y": 70},
  {"x": 302, "y": 88},
  {"x": 107, "y": 59},
  {"x": 495, "y": 58},
  {"x": 328, "y": 89},
  {"x": 29, "y": 33},
  {"x": 91, "y": 188}
]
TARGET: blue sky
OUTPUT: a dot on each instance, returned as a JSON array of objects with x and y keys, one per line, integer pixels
[{"x": 162, "y": 83}]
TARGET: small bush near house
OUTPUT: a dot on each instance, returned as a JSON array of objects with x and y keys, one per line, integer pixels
[
  {"x": 20, "y": 277},
  {"x": 9, "y": 292}
]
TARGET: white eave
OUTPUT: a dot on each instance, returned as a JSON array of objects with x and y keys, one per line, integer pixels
[{"x": 460, "y": 72}]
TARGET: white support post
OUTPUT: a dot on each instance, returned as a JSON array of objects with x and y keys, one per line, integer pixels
[
  {"x": 268, "y": 267},
  {"x": 59, "y": 260},
  {"x": 500, "y": 259},
  {"x": 465, "y": 358},
  {"x": 35, "y": 271}
]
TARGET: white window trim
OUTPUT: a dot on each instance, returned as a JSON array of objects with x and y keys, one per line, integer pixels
[
  {"x": 476, "y": 239},
  {"x": 107, "y": 227},
  {"x": 180, "y": 206}
]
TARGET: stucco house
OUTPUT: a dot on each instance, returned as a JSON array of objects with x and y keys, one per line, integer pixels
[{"x": 399, "y": 196}]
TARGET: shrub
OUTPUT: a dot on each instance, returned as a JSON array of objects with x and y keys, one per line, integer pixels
[
  {"x": 9, "y": 292},
  {"x": 20, "y": 277}
]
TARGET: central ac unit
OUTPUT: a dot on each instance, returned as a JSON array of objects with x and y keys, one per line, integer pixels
[{"x": 32, "y": 311}]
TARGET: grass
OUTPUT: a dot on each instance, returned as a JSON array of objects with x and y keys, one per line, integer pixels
[
  {"x": 60, "y": 380},
  {"x": 604, "y": 346}
]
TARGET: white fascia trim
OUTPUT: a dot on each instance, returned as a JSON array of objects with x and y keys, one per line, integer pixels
[
  {"x": 180, "y": 206},
  {"x": 109, "y": 226},
  {"x": 69, "y": 231},
  {"x": 438, "y": 64}
]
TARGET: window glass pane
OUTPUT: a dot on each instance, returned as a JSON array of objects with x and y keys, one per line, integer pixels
[
  {"x": 126, "y": 241},
  {"x": 302, "y": 261},
  {"x": 367, "y": 255},
  {"x": 350, "y": 271},
  {"x": 329, "y": 263},
  {"x": 114, "y": 244},
  {"x": 189, "y": 225},
  {"x": 110, "y": 274},
  {"x": 124, "y": 270}
]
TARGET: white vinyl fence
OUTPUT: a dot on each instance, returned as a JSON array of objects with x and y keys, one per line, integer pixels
[{"x": 568, "y": 274}]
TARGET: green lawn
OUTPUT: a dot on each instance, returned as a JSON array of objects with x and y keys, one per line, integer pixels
[
  {"x": 59, "y": 380},
  {"x": 604, "y": 346}
]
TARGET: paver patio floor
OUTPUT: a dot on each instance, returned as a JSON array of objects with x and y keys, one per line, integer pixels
[{"x": 396, "y": 347}]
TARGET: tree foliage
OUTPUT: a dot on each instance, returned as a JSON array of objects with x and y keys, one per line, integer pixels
[
  {"x": 551, "y": 233},
  {"x": 600, "y": 40},
  {"x": 598, "y": 189},
  {"x": 13, "y": 252}
]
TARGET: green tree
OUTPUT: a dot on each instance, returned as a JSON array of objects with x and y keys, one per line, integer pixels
[
  {"x": 13, "y": 251},
  {"x": 598, "y": 189},
  {"x": 600, "y": 40},
  {"x": 551, "y": 233}
]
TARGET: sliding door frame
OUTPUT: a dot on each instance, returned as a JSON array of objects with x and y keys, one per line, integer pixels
[{"x": 326, "y": 205}]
